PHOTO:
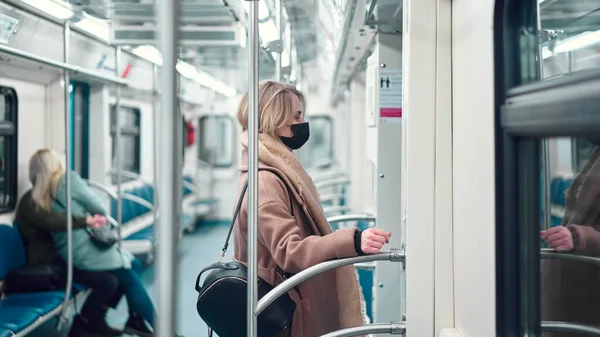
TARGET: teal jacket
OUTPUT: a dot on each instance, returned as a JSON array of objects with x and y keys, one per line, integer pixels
[{"x": 86, "y": 255}]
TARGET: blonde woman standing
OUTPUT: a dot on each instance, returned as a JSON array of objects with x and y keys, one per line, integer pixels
[{"x": 289, "y": 244}]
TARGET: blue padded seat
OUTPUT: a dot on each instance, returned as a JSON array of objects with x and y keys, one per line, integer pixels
[
  {"x": 5, "y": 332},
  {"x": 40, "y": 303},
  {"x": 145, "y": 234},
  {"x": 12, "y": 250},
  {"x": 16, "y": 318}
]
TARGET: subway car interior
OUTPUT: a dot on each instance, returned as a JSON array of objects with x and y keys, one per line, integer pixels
[{"x": 468, "y": 129}]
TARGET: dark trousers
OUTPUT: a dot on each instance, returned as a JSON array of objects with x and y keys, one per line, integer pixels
[{"x": 105, "y": 291}]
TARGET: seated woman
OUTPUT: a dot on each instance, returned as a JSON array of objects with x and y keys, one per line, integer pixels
[
  {"x": 49, "y": 191},
  {"x": 293, "y": 233},
  {"x": 35, "y": 225},
  {"x": 570, "y": 289}
]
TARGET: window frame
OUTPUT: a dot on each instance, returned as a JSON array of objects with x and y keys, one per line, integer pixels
[
  {"x": 331, "y": 140},
  {"x": 524, "y": 115},
  {"x": 9, "y": 129},
  {"x": 127, "y": 131},
  {"x": 199, "y": 152}
]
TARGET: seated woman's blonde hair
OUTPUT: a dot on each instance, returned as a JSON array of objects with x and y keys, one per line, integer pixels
[
  {"x": 275, "y": 106},
  {"x": 45, "y": 172}
]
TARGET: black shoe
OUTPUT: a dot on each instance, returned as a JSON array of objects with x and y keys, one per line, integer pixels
[
  {"x": 102, "y": 328},
  {"x": 137, "y": 326},
  {"x": 80, "y": 328}
]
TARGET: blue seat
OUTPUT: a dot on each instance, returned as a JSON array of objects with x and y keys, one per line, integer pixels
[
  {"x": 185, "y": 218},
  {"x": 18, "y": 311},
  {"x": 145, "y": 234},
  {"x": 40, "y": 303},
  {"x": 16, "y": 318},
  {"x": 555, "y": 190},
  {"x": 205, "y": 202},
  {"x": 4, "y": 332}
]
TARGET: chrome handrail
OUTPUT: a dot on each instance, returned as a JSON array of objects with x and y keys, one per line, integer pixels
[
  {"x": 102, "y": 188},
  {"x": 132, "y": 175},
  {"x": 138, "y": 200},
  {"x": 570, "y": 327},
  {"x": 394, "y": 255},
  {"x": 385, "y": 328},
  {"x": 329, "y": 176},
  {"x": 333, "y": 182},
  {"x": 351, "y": 217},
  {"x": 335, "y": 209},
  {"x": 549, "y": 253}
]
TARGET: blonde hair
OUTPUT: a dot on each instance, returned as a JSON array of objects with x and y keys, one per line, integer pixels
[
  {"x": 275, "y": 107},
  {"x": 45, "y": 172}
]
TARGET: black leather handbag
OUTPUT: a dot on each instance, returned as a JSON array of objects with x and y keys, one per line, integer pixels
[{"x": 222, "y": 297}]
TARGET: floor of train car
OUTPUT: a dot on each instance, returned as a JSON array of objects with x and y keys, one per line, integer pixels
[{"x": 196, "y": 251}]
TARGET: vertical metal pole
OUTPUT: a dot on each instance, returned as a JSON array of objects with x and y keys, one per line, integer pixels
[
  {"x": 156, "y": 133},
  {"x": 279, "y": 25},
  {"x": 66, "y": 78},
  {"x": 252, "y": 167},
  {"x": 170, "y": 169},
  {"x": 545, "y": 142},
  {"x": 118, "y": 144}
]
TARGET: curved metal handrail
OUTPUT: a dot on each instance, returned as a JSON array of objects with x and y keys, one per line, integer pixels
[
  {"x": 351, "y": 217},
  {"x": 549, "y": 253},
  {"x": 190, "y": 186},
  {"x": 332, "y": 197},
  {"x": 335, "y": 209},
  {"x": 385, "y": 328},
  {"x": 320, "y": 163},
  {"x": 570, "y": 327},
  {"x": 138, "y": 200},
  {"x": 132, "y": 175},
  {"x": 394, "y": 255},
  {"x": 102, "y": 188},
  {"x": 333, "y": 182},
  {"x": 112, "y": 220},
  {"x": 328, "y": 176}
]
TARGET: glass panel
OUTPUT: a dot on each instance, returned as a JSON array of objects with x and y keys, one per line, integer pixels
[
  {"x": 582, "y": 149},
  {"x": 131, "y": 155},
  {"x": 216, "y": 140},
  {"x": 570, "y": 290},
  {"x": 130, "y": 118},
  {"x": 570, "y": 36}
]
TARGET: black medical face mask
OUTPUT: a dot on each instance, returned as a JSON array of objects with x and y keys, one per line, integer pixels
[{"x": 301, "y": 133}]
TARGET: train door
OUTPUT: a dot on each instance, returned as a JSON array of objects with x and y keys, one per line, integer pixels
[
  {"x": 79, "y": 100},
  {"x": 547, "y": 118}
]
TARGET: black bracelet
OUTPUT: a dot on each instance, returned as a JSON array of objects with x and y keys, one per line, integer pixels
[{"x": 358, "y": 242}]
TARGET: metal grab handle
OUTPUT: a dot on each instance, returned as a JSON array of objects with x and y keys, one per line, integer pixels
[
  {"x": 570, "y": 327},
  {"x": 394, "y": 255},
  {"x": 102, "y": 188},
  {"x": 351, "y": 217},
  {"x": 549, "y": 253},
  {"x": 387, "y": 328},
  {"x": 333, "y": 182},
  {"x": 138, "y": 200},
  {"x": 132, "y": 175}
]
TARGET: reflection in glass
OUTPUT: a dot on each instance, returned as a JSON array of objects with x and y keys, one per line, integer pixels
[
  {"x": 570, "y": 290},
  {"x": 569, "y": 37},
  {"x": 216, "y": 140},
  {"x": 130, "y": 139}
]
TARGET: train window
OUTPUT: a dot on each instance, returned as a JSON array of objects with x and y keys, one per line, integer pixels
[
  {"x": 8, "y": 148},
  {"x": 130, "y": 138},
  {"x": 569, "y": 36},
  {"x": 217, "y": 136},
  {"x": 546, "y": 107},
  {"x": 318, "y": 151}
]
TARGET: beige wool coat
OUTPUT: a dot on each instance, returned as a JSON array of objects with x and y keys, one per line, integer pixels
[{"x": 327, "y": 302}]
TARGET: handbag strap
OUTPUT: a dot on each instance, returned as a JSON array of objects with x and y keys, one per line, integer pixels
[{"x": 239, "y": 205}]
